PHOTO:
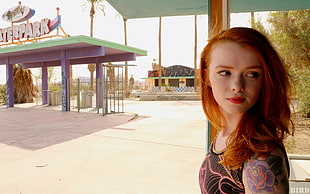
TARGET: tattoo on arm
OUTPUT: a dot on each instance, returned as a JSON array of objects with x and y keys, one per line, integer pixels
[{"x": 266, "y": 175}]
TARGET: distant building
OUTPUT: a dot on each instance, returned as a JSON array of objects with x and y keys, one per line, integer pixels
[{"x": 175, "y": 76}]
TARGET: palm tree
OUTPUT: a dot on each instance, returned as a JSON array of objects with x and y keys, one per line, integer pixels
[
  {"x": 126, "y": 63},
  {"x": 159, "y": 54},
  {"x": 24, "y": 89},
  {"x": 94, "y": 4},
  {"x": 195, "y": 54},
  {"x": 252, "y": 20}
]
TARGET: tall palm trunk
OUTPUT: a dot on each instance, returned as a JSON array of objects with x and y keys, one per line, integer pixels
[
  {"x": 126, "y": 62},
  {"x": 195, "y": 54},
  {"x": 252, "y": 20},
  {"x": 159, "y": 54},
  {"x": 91, "y": 15},
  {"x": 92, "y": 67}
]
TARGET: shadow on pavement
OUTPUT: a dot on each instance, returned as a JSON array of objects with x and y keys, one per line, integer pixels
[{"x": 37, "y": 128}]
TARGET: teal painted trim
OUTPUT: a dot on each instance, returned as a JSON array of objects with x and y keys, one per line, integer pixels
[
  {"x": 150, "y": 8},
  {"x": 72, "y": 40},
  {"x": 208, "y": 135}
]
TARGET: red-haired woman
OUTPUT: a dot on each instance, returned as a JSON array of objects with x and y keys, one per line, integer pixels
[{"x": 244, "y": 90}]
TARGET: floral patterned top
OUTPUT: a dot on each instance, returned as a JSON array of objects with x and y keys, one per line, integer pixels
[
  {"x": 264, "y": 174},
  {"x": 214, "y": 178}
]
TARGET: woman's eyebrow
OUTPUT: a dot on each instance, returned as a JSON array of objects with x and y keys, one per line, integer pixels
[
  {"x": 223, "y": 66},
  {"x": 255, "y": 67},
  {"x": 230, "y": 67}
]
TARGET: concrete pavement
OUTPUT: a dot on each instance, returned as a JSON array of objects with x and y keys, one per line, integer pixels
[
  {"x": 154, "y": 147},
  {"x": 53, "y": 152}
]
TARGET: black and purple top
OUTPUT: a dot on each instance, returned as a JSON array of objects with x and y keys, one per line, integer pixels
[{"x": 215, "y": 178}]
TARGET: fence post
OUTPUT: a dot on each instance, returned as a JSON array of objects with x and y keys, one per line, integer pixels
[{"x": 105, "y": 91}]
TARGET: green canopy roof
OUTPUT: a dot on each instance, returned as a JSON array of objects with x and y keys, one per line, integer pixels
[
  {"x": 69, "y": 42},
  {"x": 155, "y": 8}
]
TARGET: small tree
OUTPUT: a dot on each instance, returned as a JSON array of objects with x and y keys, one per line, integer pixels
[{"x": 290, "y": 33}]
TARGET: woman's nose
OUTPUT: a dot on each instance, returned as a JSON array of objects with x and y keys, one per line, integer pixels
[{"x": 238, "y": 84}]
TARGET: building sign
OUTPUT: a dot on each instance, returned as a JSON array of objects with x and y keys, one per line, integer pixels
[
  {"x": 18, "y": 13},
  {"x": 27, "y": 30}
]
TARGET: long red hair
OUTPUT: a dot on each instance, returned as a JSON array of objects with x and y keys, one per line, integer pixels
[{"x": 266, "y": 124}]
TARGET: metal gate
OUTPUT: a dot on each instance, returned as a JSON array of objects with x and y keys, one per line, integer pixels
[
  {"x": 108, "y": 96},
  {"x": 113, "y": 92}
]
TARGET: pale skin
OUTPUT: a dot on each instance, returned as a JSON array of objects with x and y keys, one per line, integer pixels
[
  {"x": 236, "y": 78},
  {"x": 235, "y": 72}
]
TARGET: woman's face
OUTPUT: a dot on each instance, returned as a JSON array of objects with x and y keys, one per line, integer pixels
[{"x": 235, "y": 76}]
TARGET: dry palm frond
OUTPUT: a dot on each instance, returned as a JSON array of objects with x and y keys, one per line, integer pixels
[{"x": 24, "y": 89}]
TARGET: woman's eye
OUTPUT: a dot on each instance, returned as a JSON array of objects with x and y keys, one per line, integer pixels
[
  {"x": 252, "y": 74},
  {"x": 224, "y": 73}
]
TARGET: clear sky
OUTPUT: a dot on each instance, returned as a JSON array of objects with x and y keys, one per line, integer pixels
[{"x": 177, "y": 32}]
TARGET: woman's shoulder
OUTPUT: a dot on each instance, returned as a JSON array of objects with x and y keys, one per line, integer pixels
[{"x": 267, "y": 173}]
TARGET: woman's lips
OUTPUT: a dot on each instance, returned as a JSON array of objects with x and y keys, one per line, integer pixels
[{"x": 236, "y": 100}]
